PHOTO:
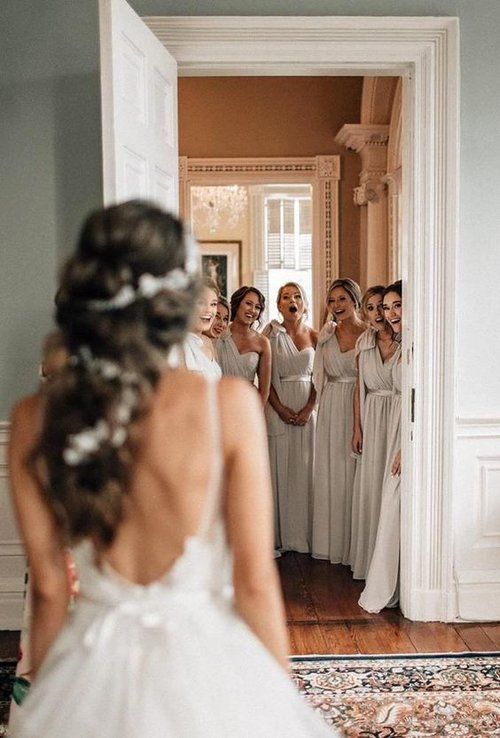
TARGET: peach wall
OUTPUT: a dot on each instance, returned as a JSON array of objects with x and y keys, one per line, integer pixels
[{"x": 277, "y": 116}]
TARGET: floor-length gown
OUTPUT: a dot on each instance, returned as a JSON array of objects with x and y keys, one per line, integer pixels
[
  {"x": 381, "y": 589},
  {"x": 291, "y": 448},
  {"x": 233, "y": 363},
  {"x": 334, "y": 468},
  {"x": 170, "y": 659},
  {"x": 375, "y": 379}
]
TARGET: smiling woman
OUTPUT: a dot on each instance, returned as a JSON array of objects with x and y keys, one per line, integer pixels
[{"x": 334, "y": 378}]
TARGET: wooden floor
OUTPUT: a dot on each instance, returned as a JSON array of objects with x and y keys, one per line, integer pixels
[{"x": 324, "y": 617}]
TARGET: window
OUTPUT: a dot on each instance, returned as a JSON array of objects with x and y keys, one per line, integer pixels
[{"x": 287, "y": 242}]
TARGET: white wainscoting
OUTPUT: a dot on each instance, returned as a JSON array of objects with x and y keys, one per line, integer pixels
[
  {"x": 477, "y": 518},
  {"x": 12, "y": 559}
]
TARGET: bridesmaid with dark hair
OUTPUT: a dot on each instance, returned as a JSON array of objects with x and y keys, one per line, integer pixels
[
  {"x": 381, "y": 589},
  {"x": 377, "y": 352},
  {"x": 243, "y": 352},
  {"x": 334, "y": 377}
]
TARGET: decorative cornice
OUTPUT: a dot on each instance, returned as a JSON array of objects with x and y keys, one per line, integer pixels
[
  {"x": 356, "y": 136},
  {"x": 323, "y": 167}
]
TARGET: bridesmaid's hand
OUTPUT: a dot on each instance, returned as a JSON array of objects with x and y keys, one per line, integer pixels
[
  {"x": 288, "y": 416},
  {"x": 357, "y": 441},
  {"x": 304, "y": 415},
  {"x": 396, "y": 465}
]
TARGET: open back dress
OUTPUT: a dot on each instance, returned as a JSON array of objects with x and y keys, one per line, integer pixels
[{"x": 170, "y": 659}]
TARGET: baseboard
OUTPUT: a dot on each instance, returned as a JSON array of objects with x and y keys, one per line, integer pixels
[
  {"x": 11, "y": 610},
  {"x": 478, "y": 595}
]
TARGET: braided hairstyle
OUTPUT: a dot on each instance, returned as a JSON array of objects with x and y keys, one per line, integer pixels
[{"x": 116, "y": 358}]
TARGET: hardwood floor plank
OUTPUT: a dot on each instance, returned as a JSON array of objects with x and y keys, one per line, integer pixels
[
  {"x": 306, "y": 639},
  {"x": 298, "y": 602},
  {"x": 338, "y": 639},
  {"x": 475, "y": 637},
  {"x": 435, "y": 637},
  {"x": 492, "y": 630},
  {"x": 333, "y": 591},
  {"x": 381, "y": 637}
]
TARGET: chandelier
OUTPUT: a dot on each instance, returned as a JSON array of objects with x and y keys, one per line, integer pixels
[{"x": 212, "y": 205}]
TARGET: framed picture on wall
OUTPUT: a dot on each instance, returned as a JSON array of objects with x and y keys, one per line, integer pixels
[{"x": 221, "y": 261}]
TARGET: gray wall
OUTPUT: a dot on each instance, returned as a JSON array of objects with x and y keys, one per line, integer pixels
[
  {"x": 50, "y": 152},
  {"x": 50, "y": 167}
]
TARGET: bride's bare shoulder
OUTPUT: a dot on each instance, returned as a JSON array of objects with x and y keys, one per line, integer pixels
[
  {"x": 25, "y": 421},
  {"x": 240, "y": 406},
  {"x": 26, "y": 410}
]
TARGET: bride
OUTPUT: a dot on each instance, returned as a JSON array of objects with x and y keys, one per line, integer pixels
[{"x": 159, "y": 480}]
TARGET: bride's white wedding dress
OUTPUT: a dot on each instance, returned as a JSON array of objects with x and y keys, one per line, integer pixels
[{"x": 171, "y": 659}]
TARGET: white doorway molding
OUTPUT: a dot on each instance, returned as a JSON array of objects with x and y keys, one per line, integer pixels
[
  {"x": 321, "y": 172},
  {"x": 424, "y": 51}
]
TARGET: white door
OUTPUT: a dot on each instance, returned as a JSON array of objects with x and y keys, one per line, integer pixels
[{"x": 139, "y": 110}]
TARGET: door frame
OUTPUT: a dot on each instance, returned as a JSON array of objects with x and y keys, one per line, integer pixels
[
  {"x": 321, "y": 172},
  {"x": 425, "y": 53}
]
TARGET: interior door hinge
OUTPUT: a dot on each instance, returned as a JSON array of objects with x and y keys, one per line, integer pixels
[{"x": 412, "y": 401}]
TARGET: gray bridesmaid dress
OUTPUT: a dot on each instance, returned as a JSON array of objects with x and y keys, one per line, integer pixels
[
  {"x": 376, "y": 396},
  {"x": 291, "y": 448},
  {"x": 233, "y": 363},
  {"x": 334, "y": 378},
  {"x": 381, "y": 589}
]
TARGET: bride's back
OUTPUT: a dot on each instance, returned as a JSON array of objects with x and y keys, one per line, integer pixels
[{"x": 176, "y": 469}]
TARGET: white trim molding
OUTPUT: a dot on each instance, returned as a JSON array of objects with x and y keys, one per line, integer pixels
[
  {"x": 321, "y": 172},
  {"x": 477, "y": 519},
  {"x": 425, "y": 52}
]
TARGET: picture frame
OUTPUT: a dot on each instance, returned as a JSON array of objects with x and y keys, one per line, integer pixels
[{"x": 221, "y": 261}]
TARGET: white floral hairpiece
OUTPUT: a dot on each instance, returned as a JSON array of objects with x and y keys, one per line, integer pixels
[
  {"x": 82, "y": 445},
  {"x": 149, "y": 285}
]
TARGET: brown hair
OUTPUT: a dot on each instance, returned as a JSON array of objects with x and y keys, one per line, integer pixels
[
  {"x": 241, "y": 292},
  {"x": 223, "y": 301},
  {"x": 396, "y": 287},
  {"x": 116, "y": 247}
]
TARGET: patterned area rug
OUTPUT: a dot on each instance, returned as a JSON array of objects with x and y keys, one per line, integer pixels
[
  {"x": 451, "y": 695},
  {"x": 7, "y": 673},
  {"x": 385, "y": 696}
]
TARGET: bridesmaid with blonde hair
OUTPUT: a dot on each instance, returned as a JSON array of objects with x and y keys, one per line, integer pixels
[
  {"x": 290, "y": 419},
  {"x": 334, "y": 377},
  {"x": 377, "y": 352},
  {"x": 242, "y": 351},
  {"x": 381, "y": 589},
  {"x": 197, "y": 353}
]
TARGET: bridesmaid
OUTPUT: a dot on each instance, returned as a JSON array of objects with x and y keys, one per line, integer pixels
[
  {"x": 377, "y": 352},
  {"x": 221, "y": 321},
  {"x": 243, "y": 352},
  {"x": 290, "y": 419},
  {"x": 197, "y": 353},
  {"x": 334, "y": 377},
  {"x": 381, "y": 589}
]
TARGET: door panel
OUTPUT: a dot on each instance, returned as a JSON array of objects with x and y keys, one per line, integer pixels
[{"x": 139, "y": 110}]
